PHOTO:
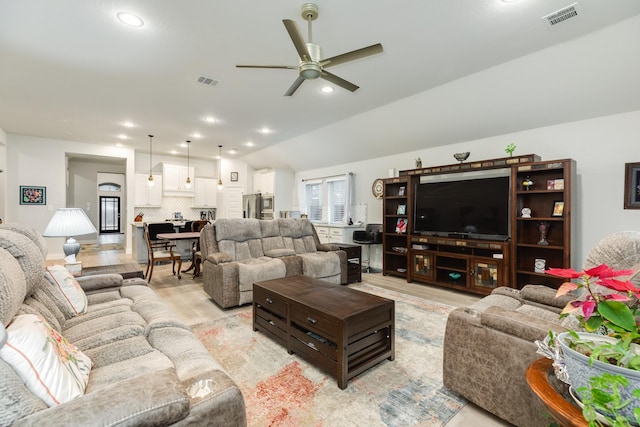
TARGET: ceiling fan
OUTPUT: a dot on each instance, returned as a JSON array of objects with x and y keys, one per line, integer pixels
[{"x": 312, "y": 65}]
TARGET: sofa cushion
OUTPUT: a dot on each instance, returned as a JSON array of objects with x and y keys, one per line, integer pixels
[
  {"x": 320, "y": 264},
  {"x": 545, "y": 297},
  {"x": 297, "y": 234},
  {"x": 52, "y": 368},
  {"x": 28, "y": 255},
  {"x": 258, "y": 269},
  {"x": 73, "y": 297},
  {"x": 518, "y": 324},
  {"x": 13, "y": 286},
  {"x": 278, "y": 253}
]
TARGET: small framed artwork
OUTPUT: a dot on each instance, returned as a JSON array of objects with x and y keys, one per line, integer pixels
[
  {"x": 401, "y": 191},
  {"x": 632, "y": 186},
  {"x": 558, "y": 209},
  {"x": 402, "y": 209},
  {"x": 234, "y": 176},
  {"x": 33, "y": 195},
  {"x": 401, "y": 226}
]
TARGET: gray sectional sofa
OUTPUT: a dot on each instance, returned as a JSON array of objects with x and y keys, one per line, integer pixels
[
  {"x": 489, "y": 345},
  {"x": 236, "y": 253},
  {"x": 147, "y": 367}
]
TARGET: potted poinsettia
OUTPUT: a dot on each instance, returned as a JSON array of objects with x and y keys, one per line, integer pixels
[{"x": 603, "y": 360}]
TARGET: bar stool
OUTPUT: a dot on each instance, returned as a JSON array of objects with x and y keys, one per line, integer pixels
[{"x": 371, "y": 235}]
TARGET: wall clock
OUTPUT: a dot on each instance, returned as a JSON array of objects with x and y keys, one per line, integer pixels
[{"x": 378, "y": 188}]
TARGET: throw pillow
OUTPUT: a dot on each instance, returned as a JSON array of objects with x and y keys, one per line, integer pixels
[
  {"x": 68, "y": 287},
  {"x": 51, "y": 368}
]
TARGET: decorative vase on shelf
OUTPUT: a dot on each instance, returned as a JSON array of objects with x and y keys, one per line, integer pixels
[
  {"x": 543, "y": 229},
  {"x": 418, "y": 163}
]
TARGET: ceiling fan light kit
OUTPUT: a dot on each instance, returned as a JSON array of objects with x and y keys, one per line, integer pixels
[{"x": 311, "y": 65}]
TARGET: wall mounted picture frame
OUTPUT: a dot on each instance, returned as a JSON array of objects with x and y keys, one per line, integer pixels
[
  {"x": 632, "y": 185},
  {"x": 33, "y": 195},
  {"x": 558, "y": 209},
  {"x": 234, "y": 176}
]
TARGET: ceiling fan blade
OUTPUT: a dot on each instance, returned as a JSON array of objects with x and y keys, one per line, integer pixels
[
  {"x": 350, "y": 56},
  {"x": 296, "y": 38},
  {"x": 294, "y": 86},
  {"x": 285, "y": 67},
  {"x": 339, "y": 81}
]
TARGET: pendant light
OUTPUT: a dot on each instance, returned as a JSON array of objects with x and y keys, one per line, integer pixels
[
  {"x": 220, "y": 167},
  {"x": 150, "y": 182},
  {"x": 188, "y": 184}
]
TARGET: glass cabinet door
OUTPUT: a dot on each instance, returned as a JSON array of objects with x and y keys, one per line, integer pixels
[
  {"x": 423, "y": 265},
  {"x": 485, "y": 273}
]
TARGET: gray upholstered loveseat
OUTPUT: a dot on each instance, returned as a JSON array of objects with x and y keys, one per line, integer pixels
[
  {"x": 146, "y": 366},
  {"x": 489, "y": 345},
  {"x": 236, "y": 253}
]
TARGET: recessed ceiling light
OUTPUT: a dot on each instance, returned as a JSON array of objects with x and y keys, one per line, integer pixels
[
  {"x": 196, "y": 135},
  {"x": 173, "y": 152},
  {"x": 232, "y": 151},
  {"x": 265, "y": 130},
  {"x": 119, "y": 145},
  {"x": 209, "y": 119},
  {"x": 249, "y": 144},
  {"x": 122, "y": 136},
  {"x": 128, "y": 124},
  {"x": 327, "y": 89},
  {"x": 130, "y": 19},
  {"x": 183, "y": 145}
]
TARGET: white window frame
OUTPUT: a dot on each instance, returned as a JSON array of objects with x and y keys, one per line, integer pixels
[{"x": 330, "y": 215}]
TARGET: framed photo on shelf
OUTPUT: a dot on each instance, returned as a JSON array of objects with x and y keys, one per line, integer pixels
[
  {"x": 234, "y": 176},
  {"x": 558, "y": 209},
  {"x": 401, "y": 191},
  {"x": 632, "y": 186},
  {"x": 33, "y": 195},
  {"x": 402, "y": 209},
  {"x": 401, "y": 226}
]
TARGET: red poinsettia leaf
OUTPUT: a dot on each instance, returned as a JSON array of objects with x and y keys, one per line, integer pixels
[
  {"x": 565, "y": 288},
  {"x": 617, "y": 297},
  {"x": 588, "y": 307},
  {"x": 610, "y": 272},
  {"x": 618, "y": 285},
  {"x": 567, "y": 273},
  {"x": 597, "y": 271}
]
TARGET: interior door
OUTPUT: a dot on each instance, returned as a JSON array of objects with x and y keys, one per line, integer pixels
[{"x": 109, "y": 214}]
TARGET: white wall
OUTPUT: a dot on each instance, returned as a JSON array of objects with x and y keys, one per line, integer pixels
[
  {"x": 3, "y": 174},
  {"x": 42, "y": 161},
  {"x": 600, "y": 146}
]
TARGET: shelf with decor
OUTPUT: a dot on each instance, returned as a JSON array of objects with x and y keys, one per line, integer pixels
[
  {"x": 395, "y": 240},
  {"x": 542, "y": 232}
]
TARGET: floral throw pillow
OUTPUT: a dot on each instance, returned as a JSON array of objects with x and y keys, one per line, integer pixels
[
  {"x": 51, "y": 368},
  {"x": 69, "y": 289}
]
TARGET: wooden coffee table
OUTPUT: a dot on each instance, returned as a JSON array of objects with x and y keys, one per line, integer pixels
[{"x": 340, "y": 330}]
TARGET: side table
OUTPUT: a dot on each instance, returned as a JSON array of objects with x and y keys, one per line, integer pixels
[
  {"x": 560, "y": 408},
  {"x": 354, "y": 260}
]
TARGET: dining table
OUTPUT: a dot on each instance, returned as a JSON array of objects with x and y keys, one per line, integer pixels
[{"x": 184, "y": 244}]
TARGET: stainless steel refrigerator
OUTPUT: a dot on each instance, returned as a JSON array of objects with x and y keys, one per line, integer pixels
[{"x": 252, "y": 206}]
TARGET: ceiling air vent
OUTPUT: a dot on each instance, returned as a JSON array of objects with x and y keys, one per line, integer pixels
[
  {"x": 559, "y": 16},
  {"x": 209, "y": 81}
]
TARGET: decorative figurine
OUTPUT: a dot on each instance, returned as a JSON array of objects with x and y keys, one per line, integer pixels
[
  {"x": 510, "y": 149},
  {"x": 461, "y": 157},
  {"x": 526, "y": 212},
  {"x": 527, "y": 183},
  {"x": 543, "y": 229},
  {"x": 418, "y": 163}
]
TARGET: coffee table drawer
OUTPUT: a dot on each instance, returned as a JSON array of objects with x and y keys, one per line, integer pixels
[
  {"x": 270, "y": 301},
  {"x": 315, "y": 321}
]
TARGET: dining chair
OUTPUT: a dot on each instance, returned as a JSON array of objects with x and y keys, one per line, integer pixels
[
  {"x": 160, "y": 250},
  {"x": 195, "y": 250}
]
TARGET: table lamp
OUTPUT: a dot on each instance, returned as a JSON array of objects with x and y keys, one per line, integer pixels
[{"x": 69, "y": 222}]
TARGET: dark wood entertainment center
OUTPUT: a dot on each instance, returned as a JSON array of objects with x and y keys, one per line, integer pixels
[{"x": 479, "y": 266}]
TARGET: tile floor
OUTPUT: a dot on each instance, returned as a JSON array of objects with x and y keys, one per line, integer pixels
[{"x": 194, "y": 306}]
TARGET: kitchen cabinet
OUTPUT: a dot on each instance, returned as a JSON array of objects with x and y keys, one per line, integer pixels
[
  {"x": 264, "y": 182},
  {"x": 145, "y": 195},
  {"x": 174, "y": 181},
  {"x": 205, "y": 193},
  {"x": 336, "y": 233},
  {"x": 280, "y": 183}
]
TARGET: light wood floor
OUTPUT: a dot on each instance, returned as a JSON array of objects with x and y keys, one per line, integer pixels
[{"x": 193, "y": 305}]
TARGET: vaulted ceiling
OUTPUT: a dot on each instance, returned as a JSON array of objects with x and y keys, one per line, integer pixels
[{"x": 451, "y": 70}]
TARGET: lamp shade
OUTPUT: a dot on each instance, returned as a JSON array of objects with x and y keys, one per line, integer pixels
[{"x": 68, "y": 222}]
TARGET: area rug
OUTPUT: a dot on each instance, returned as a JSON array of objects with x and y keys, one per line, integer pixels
[{"x": 284, "y": 390}]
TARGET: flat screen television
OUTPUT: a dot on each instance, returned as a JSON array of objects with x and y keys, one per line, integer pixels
[{"x": 475, "y": 207}]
